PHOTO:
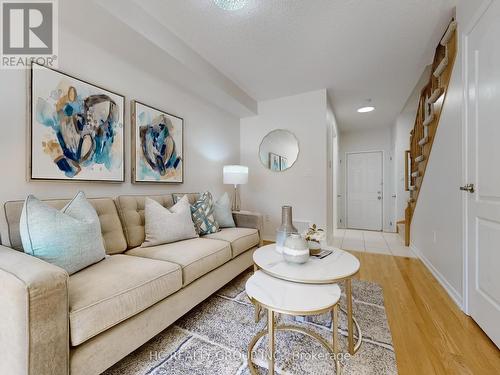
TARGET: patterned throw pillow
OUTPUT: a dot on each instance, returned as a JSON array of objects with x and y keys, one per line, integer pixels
[{"x": 203, "y": 214}]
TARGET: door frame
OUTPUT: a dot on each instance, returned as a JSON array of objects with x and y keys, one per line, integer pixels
[
  {"x": 346, "y": 182},
  {"x": 464, "y": 41}
]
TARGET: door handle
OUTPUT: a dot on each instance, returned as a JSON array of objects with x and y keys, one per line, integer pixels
[
  {"x": 379, "y": 198},
  {"x": 468, "y": 187}
]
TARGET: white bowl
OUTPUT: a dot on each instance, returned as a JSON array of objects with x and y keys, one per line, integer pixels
[{"x": 295, "y": 256}]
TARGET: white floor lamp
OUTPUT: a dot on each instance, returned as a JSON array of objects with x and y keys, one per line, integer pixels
[{"x": 235, "y": 175}]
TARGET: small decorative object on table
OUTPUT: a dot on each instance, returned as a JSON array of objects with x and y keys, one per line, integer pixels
[
  {"x": 313, "y": 237},
  {"x": 285, "y": 229},
  {"x": 296, "y": 250}
]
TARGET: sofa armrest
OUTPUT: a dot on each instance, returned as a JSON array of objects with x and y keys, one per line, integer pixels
[
  {"x": 34, "y": 334},
  {"x": 247, "y": 219}
]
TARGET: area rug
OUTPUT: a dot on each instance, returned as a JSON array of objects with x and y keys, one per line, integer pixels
[{"x": 213, "y": 339}]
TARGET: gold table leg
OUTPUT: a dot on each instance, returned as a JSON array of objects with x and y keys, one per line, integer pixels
[
  {"x": 258, "y": 309},
  {"x": 270, "y": 329},
  {"x": 348, "y": 292},
  {"x": 335, "y": 337},
  {"x": 257, "y": 312},
  {"x": 291, "y": 328}
]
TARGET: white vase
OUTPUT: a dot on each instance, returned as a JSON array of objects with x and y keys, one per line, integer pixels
[{"x": 296, "y": 249}]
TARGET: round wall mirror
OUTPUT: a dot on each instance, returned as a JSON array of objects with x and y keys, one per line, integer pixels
[{"x": 279, "y": 150}]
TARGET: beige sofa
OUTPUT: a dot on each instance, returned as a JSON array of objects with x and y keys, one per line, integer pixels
[{"x": 52, "y": 323}]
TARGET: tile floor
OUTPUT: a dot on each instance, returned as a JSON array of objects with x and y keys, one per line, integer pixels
[{"x": 372, "y": 242}]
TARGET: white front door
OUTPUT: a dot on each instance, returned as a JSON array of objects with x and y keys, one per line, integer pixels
[
  {"x": 483, "y": 163},
  {"x": 364, "y": 190}
]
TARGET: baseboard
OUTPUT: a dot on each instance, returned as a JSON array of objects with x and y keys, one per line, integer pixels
[
  {"x": 268, "y": 238},
  {"x": 452, "y": 292}
]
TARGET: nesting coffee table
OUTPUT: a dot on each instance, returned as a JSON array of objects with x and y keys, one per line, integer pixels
[
  {"x": 294, "y": 299},
  {"x": 340, "y": 266}
]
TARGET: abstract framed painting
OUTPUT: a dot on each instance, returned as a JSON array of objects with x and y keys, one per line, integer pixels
[
  {"x": 157, "y": 145},
  {"x": 75, "y": 129}
]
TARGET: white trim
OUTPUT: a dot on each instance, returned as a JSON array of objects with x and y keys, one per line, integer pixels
[
  {"x": 452, "y": 292},
  {"x": 347, "y": 153},
  {"x": 463, "y": 48},
  {"x": 473, "y": 21}
]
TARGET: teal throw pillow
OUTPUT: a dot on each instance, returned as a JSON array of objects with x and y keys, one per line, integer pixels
[
  {"x": 70, "y": 238},
  {"x": 223, "y": 212}
]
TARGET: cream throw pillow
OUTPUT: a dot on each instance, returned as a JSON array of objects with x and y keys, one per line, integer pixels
[{"x": 163, "y": 225}]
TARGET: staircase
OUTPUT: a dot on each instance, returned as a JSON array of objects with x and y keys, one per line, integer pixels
[{"x": 432, "y": 99}]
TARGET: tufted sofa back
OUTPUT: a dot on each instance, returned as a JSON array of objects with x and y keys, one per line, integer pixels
[
  {"x": 131, "y": 210},
  {"x": 111, "y": 228}
]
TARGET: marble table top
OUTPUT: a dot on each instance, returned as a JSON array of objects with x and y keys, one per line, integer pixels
[
  {"x": 335, "y": 267},
  {"x": 292, "y": 298}
]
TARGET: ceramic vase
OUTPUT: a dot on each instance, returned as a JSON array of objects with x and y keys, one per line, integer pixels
[
  {"x": 286, "y": 228},
  {"x": 296, "y": 249}
]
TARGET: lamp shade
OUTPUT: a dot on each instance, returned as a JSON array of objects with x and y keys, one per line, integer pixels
[{"x": 235, "y": 174}]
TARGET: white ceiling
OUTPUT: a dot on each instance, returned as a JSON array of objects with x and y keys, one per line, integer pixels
[{"x": 357, "y": 49}]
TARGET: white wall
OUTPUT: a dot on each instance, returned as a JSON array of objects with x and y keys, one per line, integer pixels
[
  {"x": 401, "y": 136},
  {"x": 437, "y": 226},
  {"x": 369, "y": 140},
  {"x": 436, "y": 229},
  {"x": 304, "y": 185},
  {"x": 211, "y": 136}
]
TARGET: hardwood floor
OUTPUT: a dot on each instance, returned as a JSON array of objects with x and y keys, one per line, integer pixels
[{"x": 430, "y": 333}]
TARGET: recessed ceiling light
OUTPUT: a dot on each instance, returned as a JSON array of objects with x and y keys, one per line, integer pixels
[
  {"x": 231, "y": 4},
  {"x": 366, "y": 109}
]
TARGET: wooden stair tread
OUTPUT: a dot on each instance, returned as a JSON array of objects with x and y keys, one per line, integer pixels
[
  {"x": 448, "y": 33},
  {"x": 436, "y": 94},
  {"x": 442, "y": 65},
  {"x": 423, "y": 141}
]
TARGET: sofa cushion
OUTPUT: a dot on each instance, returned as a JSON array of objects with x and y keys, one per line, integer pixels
[
  {"x": 115, "y": 289},
  {"x": 111, "y": 227},
  {"x": 196, "y": 256},
  {"x": 69, "y": 238},
  {"x": 131, "y": 210},
  {"x": 241, "y": 239}
]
